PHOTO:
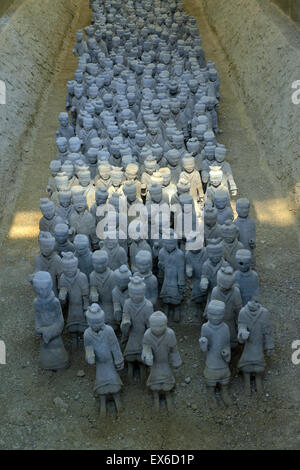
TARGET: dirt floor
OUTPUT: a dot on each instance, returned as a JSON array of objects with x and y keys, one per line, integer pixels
[{"x": 29, "y": 417}]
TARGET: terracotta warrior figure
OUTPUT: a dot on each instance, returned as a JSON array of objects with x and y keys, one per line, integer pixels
[
  {"x": 74, "y": 290},
  {"x": 246, "y": 279},
  {"x": 85, "y": 182},
  {"x": 102, "y": 348},
  {"x": 220, "y": 155},
  {"x": 231, "y": 244},
  {"x": 120, "y": 291},
  {"x": 48, "y": 260},
  {"x": 193, "y": 176},
  {"x": 222, "y": 205},
  {"x": 135, "y": 321},
  {"x": 215, "y": 343},
  {"x": 83, "y": 254},
  {"x": 102, "y": 283},
  {"x": 211, "y": 267},
  {"x": 246, "y": 226},
  {"x": 81, "y": 221},
  {"x": 49, "y": 324},
  {"x": 160, "y": 353},
  {"x": 215, "y": 183},
  {"x": 61, "y": 234},
  {"x": 65, "y": 207},
  {"x": 226, "y": 291},
  {"x": 103, "y": 178},
  {"x": 211, "y": 227},
  {"x": 254, "y": 331},
  {"x": 143, "y": 265},
  {"x": 65, "y": 129},
  {"x": 55, "y": 168},
  {"x": 172, "y": 264},
  {"x": 49, "y": 219},
  {"x": 194, "y": 260},
  {"x": 117, "y": 255}
]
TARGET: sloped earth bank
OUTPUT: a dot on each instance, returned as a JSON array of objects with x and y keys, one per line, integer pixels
[{"x": 29, "y": 417}]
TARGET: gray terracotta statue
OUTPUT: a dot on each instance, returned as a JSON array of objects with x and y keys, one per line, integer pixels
[
  {"x": 103, "y": 178},
  {"x": 220, "y": 155},
  {"x": 226, "y": 291},
  {"x": 49, "y": 324},
  {"x": 85, "y": 182},
  {"x": 65, "y": 208},
  {"x": 254, "y": 331},
  {"x": 161, "y": 354},
  {"x": 194, "y": 260},
  {"x": 55, "y": 168},
  {"x": 120, "y": 292},
  {"x": 211, "y": 267},
  {"x": 65, "y": 129},
  {"x": 116, "y": 254},
  {"x": 246, "y": 279},
  {"x": 81, "y": 221},
  {"x": 48, "y": 260},
  {"x": 63, "y": 244},
  {"x": 49, "y": 219},
  {"x": 231, "y": 244},
  {"x": 74, "y": 290},
  {"x": 172, "y": 263},
  {"x": 102, "y": 283},
  {"x": 102, "y": 348},
  {"x": 135, "y": 321},
  {"x": 246, "y": 226},
  {"x": 215, "y": 343},
  {"x": 83, "y": 254},
  {"x": 193, "y": 177},
  {"x": 215, "y": 183},
  {"x": 143, "y": 264},
  {"x": 137, "y": 245},
  {"x": 224, "y": 209},
  {"x": 212, "y": 229}
]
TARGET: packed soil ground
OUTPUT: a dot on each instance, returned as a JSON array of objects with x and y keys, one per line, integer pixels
[{"x": 42, "y": 410}]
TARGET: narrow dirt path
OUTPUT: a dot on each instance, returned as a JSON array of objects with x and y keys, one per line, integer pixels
[{"x": 29, "y": 419}]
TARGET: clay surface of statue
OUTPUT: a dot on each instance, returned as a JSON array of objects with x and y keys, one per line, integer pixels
[
  {"x": 161, "y": 354},
  {"x": 83, "y": 254},
  {"x": 143, "y": 263},
  {"x": 194, "y": 260},
  {"x": 135, "y": 321},
  {"x": 212, "y": 230},
  {"x": 116, "y": 254},
  {"x": 49, "y": 324},
  {"x": 49, "y": 219},
  {"x": 102, "y": 283},
  {"x": 246, "y": 278},
  {"x": 254, "y": 331},
  {"x": 120, "y": 292},
  {"x": 215, "y": 343},
  {"x": 246, "y": 226},
  {"x": 223, "y": 207},
  {"x": 102, "y": 348},
  {"x": 48, "y": 260},
  {"x": 226, "y": 291},
  {"x": 172, "y": 264},
  {"x": 74, "y": 290},
  {"x": 230, "y": 242},
  {"x": 63, "y": 244},
  {"x": 211, "y": 266}
]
